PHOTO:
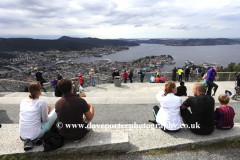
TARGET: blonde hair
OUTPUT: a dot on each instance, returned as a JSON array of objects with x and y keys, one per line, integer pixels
[
  {"x": 92, "y": 70},
  {"x": 73, "y": 82},
  {"x": 224, "y": 99},
  {"x": 35, "y": 69},
  {"x": 33, "y": 89}
]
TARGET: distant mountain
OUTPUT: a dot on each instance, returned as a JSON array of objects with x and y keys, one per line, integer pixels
[
  {"x": 102, "y": 42},
  {"x": 28, "y": 44},
  {"x": 191, "y": 42}
]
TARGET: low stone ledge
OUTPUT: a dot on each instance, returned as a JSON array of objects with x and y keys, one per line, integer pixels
[{"x": 96, "y": 141}]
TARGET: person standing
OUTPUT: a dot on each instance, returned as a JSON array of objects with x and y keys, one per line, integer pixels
[
  {"x": 142, "y": 74},
  {"x": 92, "y": 75},
  {"x": 187, "y": 71},
  {"x": 125, "y": 76},
  {"x": 191, "y": 74},
  {"x": 158, "y": 73},
  {"x": 130, "y": 76},
  {"x": 54, "y": 82},
  {"x": 180, "y": 71},
  {"x": 81, "y": 79},
  {"x": 201, "y": 118},
  {"x": 39, "y": 78},
  {"x": 203, "y": 71},
  {"x": 174, "y": 72},
  {"x": 198, "y": 71},
  {"x": 59, "y": 77},
  {"x": 211, "y": 75}
]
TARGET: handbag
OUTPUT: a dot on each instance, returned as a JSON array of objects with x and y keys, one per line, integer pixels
[{"x": 82, "y": 94}]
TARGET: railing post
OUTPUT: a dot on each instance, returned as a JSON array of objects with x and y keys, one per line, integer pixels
[{"x": 229, "y": 77}]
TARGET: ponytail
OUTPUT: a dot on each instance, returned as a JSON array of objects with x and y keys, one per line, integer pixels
[{"x": 33, "y": 89}]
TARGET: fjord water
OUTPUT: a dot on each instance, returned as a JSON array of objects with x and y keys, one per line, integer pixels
[{"x": 222, "y": 54}]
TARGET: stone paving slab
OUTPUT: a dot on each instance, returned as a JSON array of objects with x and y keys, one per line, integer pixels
[
  {"x": 134, "y": 93},
  {"x": 96, "y": 141}
]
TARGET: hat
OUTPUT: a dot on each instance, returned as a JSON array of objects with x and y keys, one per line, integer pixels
[{"x": 79, "y": 74}]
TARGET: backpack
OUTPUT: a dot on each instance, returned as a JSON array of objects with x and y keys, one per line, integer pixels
[
  {"x": 199, "y": 70},
  {"x": 143, "y": 73},
  {"x": 52, "y": 140}
]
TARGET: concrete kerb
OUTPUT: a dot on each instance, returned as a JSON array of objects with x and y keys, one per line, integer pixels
[{"x": 96, "y": 141}]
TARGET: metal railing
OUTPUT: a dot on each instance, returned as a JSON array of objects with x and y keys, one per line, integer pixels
[{"x": 7, "y": 85}]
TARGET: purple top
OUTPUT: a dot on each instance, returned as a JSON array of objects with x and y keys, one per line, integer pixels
[
  {"x": 54, "y": 83},
  {"x": 211, "y": 75}
]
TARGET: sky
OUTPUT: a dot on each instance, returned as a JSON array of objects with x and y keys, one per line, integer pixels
[{"x": 112, "y": 19}]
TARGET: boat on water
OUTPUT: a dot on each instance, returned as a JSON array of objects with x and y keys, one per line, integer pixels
[
  {"x": 97, "y": 55},
  {"x": 209, "y": 64},
  {"x": 187, "y": 63}
]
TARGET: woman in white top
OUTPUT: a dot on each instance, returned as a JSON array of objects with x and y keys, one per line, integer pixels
[
  {"x": 32, "y": 111},
  {"x": 92, "y": 75},
  {"x": 168, "y": 117}
]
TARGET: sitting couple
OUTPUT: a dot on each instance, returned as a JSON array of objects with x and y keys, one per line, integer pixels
[
  {"x": 36, "y": 118},
  {"x": 172, "y": 112}
]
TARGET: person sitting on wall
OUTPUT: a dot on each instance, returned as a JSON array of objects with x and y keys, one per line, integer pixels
[
  {"x": 71, "y": 109},
  {"x": 181, "y": 90},
  {"x": 157, "y": 80},
  {"x": 152, "y": 79}
]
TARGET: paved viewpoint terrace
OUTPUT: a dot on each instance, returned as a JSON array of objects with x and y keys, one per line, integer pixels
[{"x": 128, "y": 104}]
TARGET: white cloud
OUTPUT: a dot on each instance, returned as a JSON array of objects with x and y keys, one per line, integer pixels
[{"x": 132, "y": 18}]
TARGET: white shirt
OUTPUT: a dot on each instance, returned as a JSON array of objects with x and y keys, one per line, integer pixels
[
  {"x": 169, "y": 114},
  {"x": 31, "y": 113}
]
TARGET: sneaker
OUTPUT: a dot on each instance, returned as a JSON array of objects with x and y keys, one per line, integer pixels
[{"x": 28, "y": 145}]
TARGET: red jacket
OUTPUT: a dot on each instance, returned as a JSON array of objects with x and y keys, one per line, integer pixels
[{"x": 125, "y": 75}]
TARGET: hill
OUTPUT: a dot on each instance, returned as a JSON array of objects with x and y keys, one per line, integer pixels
[
  {"x": 28, "y": 44},
  {"x": 102, "y": 42}
]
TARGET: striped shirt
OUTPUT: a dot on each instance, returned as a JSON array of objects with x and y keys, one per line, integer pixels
[{"x": 224, "y": 117}]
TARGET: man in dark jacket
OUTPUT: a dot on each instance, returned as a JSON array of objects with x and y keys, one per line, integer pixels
[
  {"x": 174, "y": 72},
  {"x": 39, "y": 78},
  {"x": 181, "y": 90},
  {"x": 187, "y": 71},
  {"x": 59, "y": 77}
]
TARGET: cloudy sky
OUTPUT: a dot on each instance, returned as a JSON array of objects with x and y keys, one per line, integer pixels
[{"x": 52, "y": 19}]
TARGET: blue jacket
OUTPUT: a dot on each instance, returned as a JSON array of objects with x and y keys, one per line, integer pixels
[
  {"x": 211, "y": 74},
  {"x": 152, "y": 79}
]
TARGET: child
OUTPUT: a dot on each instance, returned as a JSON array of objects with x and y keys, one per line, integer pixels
[
  {"x": 81, "y": 79},
  {"x": 224, "y": 115},
  {"x": 54, "y": 82},
  {"x": 162, "y": 79}
]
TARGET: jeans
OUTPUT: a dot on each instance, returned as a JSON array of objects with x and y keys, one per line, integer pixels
[
  {"x": 93, "y": 81},
  {"x": 46, "y": 126},
  {"x": 186, "y": 77},
  {"x": 180, "y": 78},
  {"x": 210, "y": 86}
]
